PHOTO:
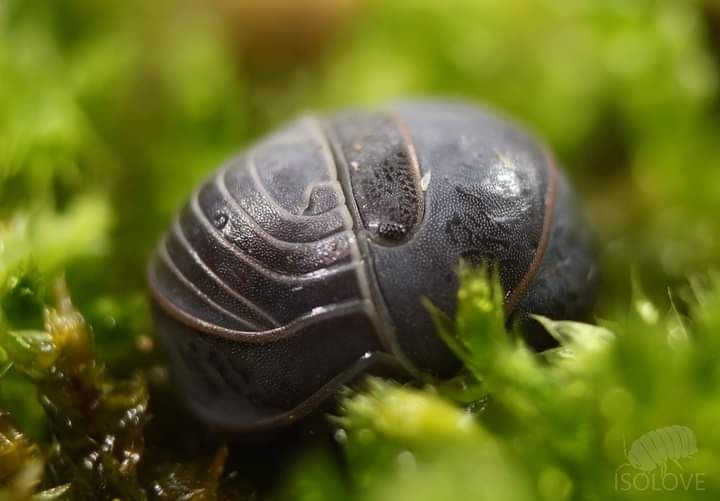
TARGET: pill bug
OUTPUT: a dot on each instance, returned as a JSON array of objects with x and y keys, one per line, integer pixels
[
  {"x": 302, "y": 262},
  {"x": 655, "y": 448}
]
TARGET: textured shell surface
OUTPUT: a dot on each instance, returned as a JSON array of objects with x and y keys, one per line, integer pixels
[{"x": 302, "y": 262}]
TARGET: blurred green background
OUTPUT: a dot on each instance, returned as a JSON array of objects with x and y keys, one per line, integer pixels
[
  {"x": 114, "y": 111},
  {"x": 111, "y": 112}
]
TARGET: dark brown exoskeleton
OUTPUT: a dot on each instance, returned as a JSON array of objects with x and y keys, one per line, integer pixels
[{"x": 303, "y": 261}]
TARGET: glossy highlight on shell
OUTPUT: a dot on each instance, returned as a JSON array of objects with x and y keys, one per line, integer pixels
[{"x": 302, "y": 262}]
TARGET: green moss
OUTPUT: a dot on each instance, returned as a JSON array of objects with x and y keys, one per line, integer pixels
[{"x": 111, "y": 113}]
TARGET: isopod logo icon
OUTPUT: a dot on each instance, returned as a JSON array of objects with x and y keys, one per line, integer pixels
[
  {"x": 648, "y": 458},
  {"x": 657, "y": 447}
]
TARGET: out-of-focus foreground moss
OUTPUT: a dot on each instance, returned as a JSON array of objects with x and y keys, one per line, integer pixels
[{"x": 110, "y": 113}]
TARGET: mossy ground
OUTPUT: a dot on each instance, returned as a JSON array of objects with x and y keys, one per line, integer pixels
[{"x": 110, "y": 113}]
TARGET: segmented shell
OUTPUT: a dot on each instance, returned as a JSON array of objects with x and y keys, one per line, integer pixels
[{"x": 302, "y": 262}]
